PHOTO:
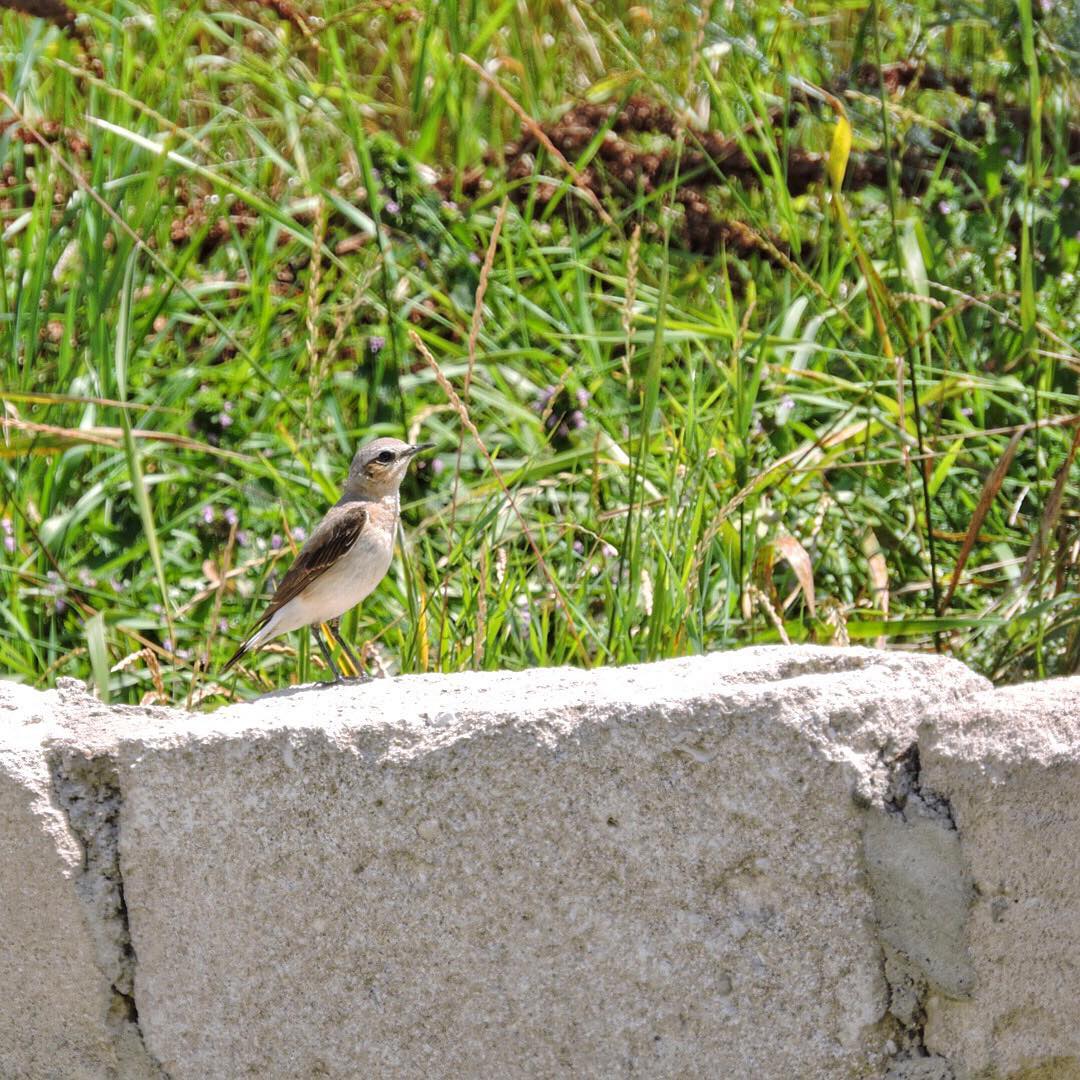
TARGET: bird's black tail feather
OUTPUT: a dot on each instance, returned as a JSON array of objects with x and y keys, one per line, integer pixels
[{"x": 246, "y": 647}]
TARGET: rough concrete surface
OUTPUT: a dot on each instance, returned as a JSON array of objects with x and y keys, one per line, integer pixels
[
  {"x": 57, "y": 1012},
  {"x": 797, "y": 862},
  {"x": 1009, "y": 764}
]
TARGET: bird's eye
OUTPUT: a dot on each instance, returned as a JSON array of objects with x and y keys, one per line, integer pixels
[{"x": 385, "y": 457}]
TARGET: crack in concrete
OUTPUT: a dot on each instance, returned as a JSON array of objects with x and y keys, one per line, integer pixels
[
  {"x": 905, "y": 784},
  {"x": 922, "y": 893},
  {"x": 87, "y": 789}
]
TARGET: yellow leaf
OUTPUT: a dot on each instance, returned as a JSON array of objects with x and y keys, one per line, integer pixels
[
  {"x": 607, "y": 88},
  {"x": 423, "y": 659},
  {"x": 944, "y": 466},
  {"x": 840, "y": 151}
]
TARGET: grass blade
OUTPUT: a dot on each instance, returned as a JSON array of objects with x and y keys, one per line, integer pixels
[
  {"x": 99, "y": 654},
  {"x": 131, "y": 450}
]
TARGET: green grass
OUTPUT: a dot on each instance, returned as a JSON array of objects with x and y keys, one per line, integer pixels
[{"x": 859, "y": 425}]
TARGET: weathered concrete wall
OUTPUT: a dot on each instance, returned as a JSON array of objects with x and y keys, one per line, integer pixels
[
  {"x": 775, "y": 863},
  {"x": 1009, "y": 765}
]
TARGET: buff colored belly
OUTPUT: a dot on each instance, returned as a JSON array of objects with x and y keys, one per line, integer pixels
[{"x": 340, "y": 588}]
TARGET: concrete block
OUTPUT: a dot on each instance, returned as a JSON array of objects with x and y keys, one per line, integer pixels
[
  {"x": 1008, "y": 762},
  {"x": 775, "y": 862}
]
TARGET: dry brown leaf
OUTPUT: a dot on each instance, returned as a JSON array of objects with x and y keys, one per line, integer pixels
[
  {"x": 1051, "y": 511},
  {"x": 879, "y": 575},
  {"x": 109, "y": 436},
  {"x": 986, "y": 499},
  {"x": 795, "y": 555}
]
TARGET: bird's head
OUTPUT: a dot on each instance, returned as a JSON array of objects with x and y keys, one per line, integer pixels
[{"x": 379, "y": 467}]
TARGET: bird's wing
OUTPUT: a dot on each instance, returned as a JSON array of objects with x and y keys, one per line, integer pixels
[{"x": 334, "y": 536}]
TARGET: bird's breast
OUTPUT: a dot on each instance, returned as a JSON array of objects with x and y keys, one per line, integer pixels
[
  {"x": 363, "y": 566},
  {"x": 348, "y": 581}
]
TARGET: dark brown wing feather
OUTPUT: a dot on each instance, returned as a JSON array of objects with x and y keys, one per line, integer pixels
[{"x": 332, "y": 539}]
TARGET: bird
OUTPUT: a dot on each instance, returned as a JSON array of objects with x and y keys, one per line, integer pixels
[{"x": 346, "y": 556}]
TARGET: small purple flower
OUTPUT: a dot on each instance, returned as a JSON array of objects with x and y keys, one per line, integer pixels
[
  {"x": 9, "y": 542},
  {"x": 208, "y": 514},
  {"x": 242, "y": 538},
  {"x": 275, "y": 542},
  {"x": 579, "y": 548},
  {"x": 56, "y": 588},
  {"x": 222, "y": 625},
  {"x": 582, "y": 397},
  {"x": 224, "y": 420},
  {"x": 299, "y": 534},
  {"x": 231, "y": 517},
  {"x": 86, "y": 578},
  {"x": 6, "y": 526},
  {"x": 608, "y": 551},
  {"x": 157, "y": 609},
  {"x": 474, "y": 258},
  {"x": 577, "y": 420},
  {"x": 392, "y": 207},
  {"x": 437, "y": 466},
  {"x": 376, "y": 344}
]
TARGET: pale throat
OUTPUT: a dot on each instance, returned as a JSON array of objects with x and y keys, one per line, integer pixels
[{"x": 390, "y": 501}]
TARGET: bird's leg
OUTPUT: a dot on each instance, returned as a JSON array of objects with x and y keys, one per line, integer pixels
[
  {"x": 326, "y": 652},
  {"x": 335, "y": 629}
]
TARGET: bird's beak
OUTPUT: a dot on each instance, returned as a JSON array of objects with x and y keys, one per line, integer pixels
[{"x": 420, "y": 447}]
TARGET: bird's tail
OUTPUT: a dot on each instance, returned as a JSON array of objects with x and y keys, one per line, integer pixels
[
  {"x": 253, "y": 641},
  {"x": 235, "y": 656}
]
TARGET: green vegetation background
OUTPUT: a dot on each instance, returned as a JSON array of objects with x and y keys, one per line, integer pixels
[{"x": 716, "y": 398}]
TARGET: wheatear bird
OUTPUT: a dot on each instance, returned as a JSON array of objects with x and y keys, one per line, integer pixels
[{"x": 346, "y": 556}]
